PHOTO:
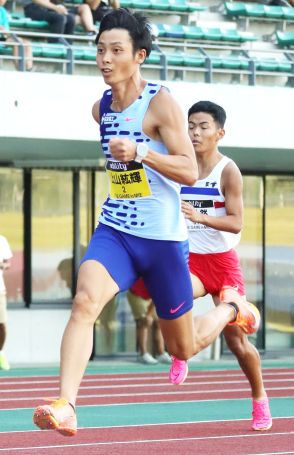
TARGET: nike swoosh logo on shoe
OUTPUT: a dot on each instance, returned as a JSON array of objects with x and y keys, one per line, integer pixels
[{"x": 174, "y": 310}]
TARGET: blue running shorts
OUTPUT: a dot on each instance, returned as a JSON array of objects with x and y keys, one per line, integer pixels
[{"x": 163, "y": 264}]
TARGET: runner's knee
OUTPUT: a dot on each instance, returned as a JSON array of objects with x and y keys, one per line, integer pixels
[{"x": 84, "y": 308}]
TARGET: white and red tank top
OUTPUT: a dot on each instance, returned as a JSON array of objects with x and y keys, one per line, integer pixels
[{"x": 206, "y": 196}]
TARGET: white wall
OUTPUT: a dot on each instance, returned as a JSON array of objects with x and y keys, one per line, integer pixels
[
  {"x": 34, "y": 336},
  {"x": 59, "y": 106}
]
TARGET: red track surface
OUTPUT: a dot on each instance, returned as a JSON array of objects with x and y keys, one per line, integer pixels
[
  {"x": 138, "y": 388},
  {"x": 201, "y": 438}
]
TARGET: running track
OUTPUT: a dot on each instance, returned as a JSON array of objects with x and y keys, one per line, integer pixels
[{"x": 134, "y": 410}]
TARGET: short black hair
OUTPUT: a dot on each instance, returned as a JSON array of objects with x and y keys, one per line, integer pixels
[
  {"x": 135, "y": 23},
  {"x": 217, "y": 112}
]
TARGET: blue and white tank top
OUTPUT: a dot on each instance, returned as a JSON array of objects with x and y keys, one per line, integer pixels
[
  {"x": 206, "y": 196},
  {"x": 157, "y": 215}
]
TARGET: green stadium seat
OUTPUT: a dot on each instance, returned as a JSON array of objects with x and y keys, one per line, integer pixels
[
  {"x": 275, "y": 12},
  {"x": 5, "y": 50},
  {"x": 79, "y": 54},
  {"x": 18, "y": 22},
  {"x": 179, "y": 5},
  {"x": 194, "y": 61},
  {"x": 214, "y": 34},
  {"x": 139, "y": 4},
  {"x": 193, "y": 7},
  {"x": 153, "y": 59},
  {"x": 162, "y": 5},
  {"x": 90, "y": 54},
  {"x": 37, "y": 49},
  {"x": 174, "y": 31},
  {"x": 285, "y": 66},
  {"x": 231, "y": 35},
  {"x": 232, "y": 62},
  {"x": 285, "y": 38},
  {"x": 175, "y": 59},
  {"x": 288, "y": 12},
  {"x": 54, "y": 52},
  {"x": 36, "y": 24},
  {"x": 254, "y": 10},
  {"x": 247, "y": 36},
  {"x": 235, "y": 8},
  {"x": 267, "y": 64},
  {"x": 160, "y": 29},
  {"x": 193, "y": 32},
  {"x": 127, "y": 3}
]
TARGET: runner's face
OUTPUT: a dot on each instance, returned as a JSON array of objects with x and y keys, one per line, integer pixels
[
  {"x": 204, "y": 132},
  {"x": 115, "y": 57}
]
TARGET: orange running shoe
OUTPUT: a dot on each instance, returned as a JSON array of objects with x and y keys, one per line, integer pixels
[
  {"x": 248, "y": 316},
  {"x": 59, "y": 415}
]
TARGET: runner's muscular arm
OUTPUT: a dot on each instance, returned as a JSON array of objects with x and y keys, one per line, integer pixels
[
  {"x": 232, "y": 188},
  {"x": 164, "y": 121}
]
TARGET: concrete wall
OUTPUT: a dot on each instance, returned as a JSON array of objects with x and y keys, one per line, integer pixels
[
  {"x": 59, "y": 106},
  {"x": 34, "y": 336}
]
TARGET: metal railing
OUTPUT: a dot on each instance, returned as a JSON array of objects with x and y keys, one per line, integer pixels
[{"x": 162, "y": 48}]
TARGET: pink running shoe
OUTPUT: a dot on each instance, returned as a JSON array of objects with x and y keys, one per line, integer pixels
[
  {"x": 178, "y": 371},
  {"x": 261, "y": 414},
  {"x": 59, "y": 415}
]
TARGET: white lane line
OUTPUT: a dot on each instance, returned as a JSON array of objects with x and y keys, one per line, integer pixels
[
  {"x": 147, "y": 441},
  {"x": 148, "y": 384}
]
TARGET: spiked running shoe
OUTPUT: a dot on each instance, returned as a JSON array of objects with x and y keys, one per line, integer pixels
[
  {"x": 261, "y": 415},
  {"x": 59, "y": 415},
  {"x": 178, "y": 371},
  {"x": 248, "y": 316}
]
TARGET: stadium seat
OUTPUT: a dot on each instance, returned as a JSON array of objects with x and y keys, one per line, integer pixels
[
  {"x": 193, "y": 32},
  {"x": 214, "y": 34},
  {"x": 161, "y": 5},
  {"x": 235, "y": 8},
  {"x": 179, "y": 5},
  {"x": 5, "y": 50},
  {"x": 285, "y": 38},
  {"x": 139, "y": 4},
  {"x": 288, "y": 12},
  {"x": 254, "y": 10},
  {"x": 275, "y": 12},
  {"x": 153, "y": 59},
  {"x": 194, "y": 61},
  {"x": 173, "y": 31}
]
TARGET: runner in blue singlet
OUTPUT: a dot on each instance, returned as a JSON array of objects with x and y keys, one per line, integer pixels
[{"x": 141, "y": 229}]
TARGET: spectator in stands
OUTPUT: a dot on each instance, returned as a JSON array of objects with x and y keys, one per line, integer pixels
[
  {"x": 101, "y": 7},
  {"x": 8, "y": 39},
  {"x": 144, "y": 313},
  {"x": 62, "y": 20}
]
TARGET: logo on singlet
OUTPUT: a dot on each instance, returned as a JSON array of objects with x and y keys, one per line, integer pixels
[{"x": 108, "y": 118}]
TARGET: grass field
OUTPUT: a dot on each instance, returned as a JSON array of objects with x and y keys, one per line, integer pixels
[{"x": 56, "y": 231}]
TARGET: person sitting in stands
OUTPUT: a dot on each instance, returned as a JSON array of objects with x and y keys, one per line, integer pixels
[
  {"x": 101, "y": 7},
  {"x": 8, "y": 39},
  {"x": 62, "y": 21}
]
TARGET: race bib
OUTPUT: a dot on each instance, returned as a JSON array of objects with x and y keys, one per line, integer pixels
[
  {"x": 127, "y": 180},
  {"x": 202, "y": 206}
]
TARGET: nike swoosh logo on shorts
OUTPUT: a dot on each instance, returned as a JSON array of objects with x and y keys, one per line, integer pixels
[{"x": 174, "y": 310}]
